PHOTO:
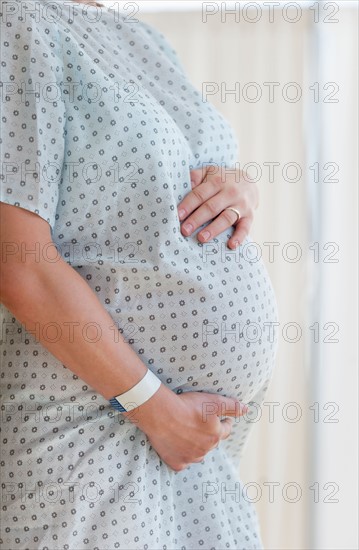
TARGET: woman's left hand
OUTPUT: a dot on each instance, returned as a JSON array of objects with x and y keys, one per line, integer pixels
[{"x": 210, "y": 195}]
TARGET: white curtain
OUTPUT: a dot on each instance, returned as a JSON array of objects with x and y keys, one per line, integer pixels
[
  {"x": 300, "y": 449},
  {"x": 336, "y": 372}
]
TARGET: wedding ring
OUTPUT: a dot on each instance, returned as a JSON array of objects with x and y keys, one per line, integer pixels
[{"x": 234, "y": 210}]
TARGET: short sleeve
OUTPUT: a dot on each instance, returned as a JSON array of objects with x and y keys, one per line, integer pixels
[
  {"x": 164, "y": 45},
  {"x": 32, "y": 135}
]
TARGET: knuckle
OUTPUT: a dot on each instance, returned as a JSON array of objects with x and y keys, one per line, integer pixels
[
  {"x": 217, "y": 181},
  {"x": 199, "y": 193},
  {"x": 212, "y": 207},
  {"x": 228, "y": 216},
  {"x": 233, "y": 192},
  {"x": 242, "y": 204}
]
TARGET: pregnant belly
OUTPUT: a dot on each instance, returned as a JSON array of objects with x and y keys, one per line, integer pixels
[{"x": 206, "y": 324}]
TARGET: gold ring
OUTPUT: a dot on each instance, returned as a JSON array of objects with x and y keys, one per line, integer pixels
[{"x": 234, "y": 210}]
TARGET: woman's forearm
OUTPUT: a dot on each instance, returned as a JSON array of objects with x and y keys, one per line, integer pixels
[{"x": 52, "y": 301}]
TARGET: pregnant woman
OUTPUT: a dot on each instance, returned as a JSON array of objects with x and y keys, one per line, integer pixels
[{"x": 104, "y": 291}]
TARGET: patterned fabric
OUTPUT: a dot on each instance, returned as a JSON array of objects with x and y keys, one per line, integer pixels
[{"x": 103, "y": 151}]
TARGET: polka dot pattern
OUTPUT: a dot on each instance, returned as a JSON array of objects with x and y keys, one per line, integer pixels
[{"x": 100, "y": 129}]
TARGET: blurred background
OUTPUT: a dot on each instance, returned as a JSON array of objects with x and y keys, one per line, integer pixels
[{"x": 285, "y": 74}]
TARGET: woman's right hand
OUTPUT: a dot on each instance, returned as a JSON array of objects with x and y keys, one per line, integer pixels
[{"x": 183, "y": 428}]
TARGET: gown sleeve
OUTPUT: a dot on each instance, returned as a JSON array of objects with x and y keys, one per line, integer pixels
[
  {"x": 165, "y": 46},
  {"x": 32, "y": 135}
]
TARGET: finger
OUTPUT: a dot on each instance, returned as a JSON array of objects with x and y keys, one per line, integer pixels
[
  {"x": 226, "y": 219},
  {"x": 198, "y": 175},
  {"x": 241, "y": 231},
  {"x": 234, "y": 410},
  {"x": 227, "y": 406},
  {"x": 200, "y": 195},
  {"x": 225, "y": 428}
]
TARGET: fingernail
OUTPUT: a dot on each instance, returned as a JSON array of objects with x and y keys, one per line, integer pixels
[
  {"x": 188, "y": 227},
  {"x": 234, "y": 244},
  {"x": 205, "y": 235},
  {"x": 181, "y": 214},
  {"x": 244, "y": 408}
]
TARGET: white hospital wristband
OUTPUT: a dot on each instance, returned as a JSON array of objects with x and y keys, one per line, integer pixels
[{"x": 137, "y": 395}]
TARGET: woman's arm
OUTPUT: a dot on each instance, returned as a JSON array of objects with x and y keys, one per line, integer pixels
[{"x": 38, "y": 292}]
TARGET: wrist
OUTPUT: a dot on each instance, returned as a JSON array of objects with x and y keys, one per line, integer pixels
[
  {"x": 137, "y": 394},
  {"x": 156, "y": 413}
]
